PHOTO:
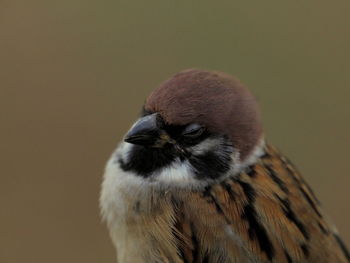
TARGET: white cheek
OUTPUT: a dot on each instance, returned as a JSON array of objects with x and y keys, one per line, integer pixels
[
  {"x": 123, "y": 151},
  {"x": 205, "y": 146},
  {"x": 179, "y": 174}
]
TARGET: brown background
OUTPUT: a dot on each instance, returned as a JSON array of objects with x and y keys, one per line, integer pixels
[{"x": 74, "y": 73}]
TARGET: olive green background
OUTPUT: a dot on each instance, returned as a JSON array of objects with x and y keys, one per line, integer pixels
[{"x": 74, "y": 74}]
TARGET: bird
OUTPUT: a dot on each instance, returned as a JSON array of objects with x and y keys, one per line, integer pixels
[{"x": 194, "y": 180}]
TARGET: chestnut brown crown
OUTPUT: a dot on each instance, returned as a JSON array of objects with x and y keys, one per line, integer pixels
[{"x": 215, "y": 100}]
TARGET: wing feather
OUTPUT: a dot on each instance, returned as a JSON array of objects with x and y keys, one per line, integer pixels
[{"x": 266, "y": 214}]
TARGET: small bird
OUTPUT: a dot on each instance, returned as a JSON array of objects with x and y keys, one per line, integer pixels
[{"x": 195, "y": 181}]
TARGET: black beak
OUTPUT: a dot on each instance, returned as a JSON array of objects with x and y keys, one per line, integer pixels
[{"x": 148, "y": 131}]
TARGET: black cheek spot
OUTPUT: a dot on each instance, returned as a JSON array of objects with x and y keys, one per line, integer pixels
[{"x": 210, "y": 165}]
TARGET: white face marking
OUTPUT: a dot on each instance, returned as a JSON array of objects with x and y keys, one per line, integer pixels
[
  {"x": 123, "y": 151},
  {"x": 180, "y": 173},
  {"x": 177, "y": 174},
  {"x": 205, "y": 146}
]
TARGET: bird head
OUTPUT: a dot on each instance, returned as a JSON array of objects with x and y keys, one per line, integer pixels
[{"x": 197, "y": 124}]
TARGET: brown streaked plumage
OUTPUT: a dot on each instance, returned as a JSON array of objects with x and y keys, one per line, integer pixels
[
  {"x": 195, "y": 182},
  {"x": 271, "y": 195}
]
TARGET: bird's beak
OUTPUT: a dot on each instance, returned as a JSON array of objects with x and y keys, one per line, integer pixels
[{"x": 147, "y": 131}]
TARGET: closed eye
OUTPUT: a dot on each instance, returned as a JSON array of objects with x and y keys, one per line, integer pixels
[{"x": 193, "y": 131}]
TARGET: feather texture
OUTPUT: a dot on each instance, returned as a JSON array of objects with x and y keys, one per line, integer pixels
[{"x": 267, "y": 213}]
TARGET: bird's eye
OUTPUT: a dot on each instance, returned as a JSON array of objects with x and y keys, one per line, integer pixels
[{"x": 193, "y": 130}]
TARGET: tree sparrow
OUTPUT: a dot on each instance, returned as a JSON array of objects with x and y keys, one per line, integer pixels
[{"x": 195, "y": 181}]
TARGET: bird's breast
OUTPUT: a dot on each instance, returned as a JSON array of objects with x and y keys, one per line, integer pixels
[{"x": 138, "y": 217}]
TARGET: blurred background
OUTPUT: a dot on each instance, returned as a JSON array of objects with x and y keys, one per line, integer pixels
[{"x": 74, "y": 74}]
